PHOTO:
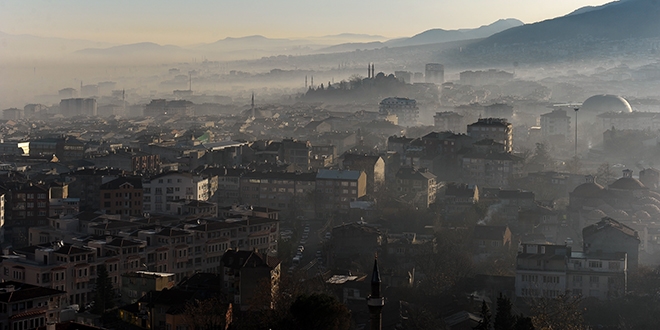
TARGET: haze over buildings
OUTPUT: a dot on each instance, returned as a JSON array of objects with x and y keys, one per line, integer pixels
[{"x": 400, "y": 176}]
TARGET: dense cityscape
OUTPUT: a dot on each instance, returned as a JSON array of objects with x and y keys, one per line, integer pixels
[{"x": 461, "y": 179}]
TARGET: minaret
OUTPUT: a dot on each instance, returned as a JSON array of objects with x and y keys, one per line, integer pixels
[
  {"x": 253, "y": 106},
  {"x": 375, "y": 302}
]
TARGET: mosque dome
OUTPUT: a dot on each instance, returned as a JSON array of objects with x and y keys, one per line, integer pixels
[
  {"x": 651, "y": 209},
  {"x": 620, "y": 215},
  {"x": 588, "y": 189},
  {"x": 643, "y": 215},
  {"x": 598, "y": 104},
  {"x": 648, "y": 200},
  {"x": 596, "y": 214}
]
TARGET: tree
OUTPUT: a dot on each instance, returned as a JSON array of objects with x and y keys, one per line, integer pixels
[
  {"x": 573, "y": 165},
  {"x": 605, "y": 175},
  {"x": 320, "y": 311},
  {"x": 207, "y": 314},
  {"x": 562, "y": 312},
  {"x": 541, "y": 159},
  {"x": 105, "y": 293},
  {"x": 504, "y": 319},
  {"x": 524, "y": 323},
  {"x": 484, "y": 323}
]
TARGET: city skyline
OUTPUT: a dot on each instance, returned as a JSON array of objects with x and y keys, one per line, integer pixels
[{"x": 203, "y": 21}]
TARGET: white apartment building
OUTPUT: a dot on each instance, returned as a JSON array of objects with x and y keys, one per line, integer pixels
[{"x": 171, "y": 186}]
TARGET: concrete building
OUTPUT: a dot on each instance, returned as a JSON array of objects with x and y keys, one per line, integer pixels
[
  {"x": 291, "y": 193},
  {"x": 556, "y": 123},
  {"x": 12, "y": 114},
  {"x": 60, "y": 266},
  {"x": 404, "y": 109},
  {"x": 123, "y": 196},
  {"x": 24, "y": 306},
  {"x": 78, "y": 107},
  {"x": 135, "y": 285},
  {"x": 497, "y": 129},
  {"x": 448, "y": 121},
  {"x": 548, "y": 270},
  {"x": 171, "y": 186},
  {"x": 434, "y": 73},
  {"x": 243, "y": 273},
  {"x": 611, "y": 236},
  {"x": 335, "y": 189},
  {"x": 416, "y": 186},
  {"x": 129, "y": 160},
  {"x": 372, "y": 165}
]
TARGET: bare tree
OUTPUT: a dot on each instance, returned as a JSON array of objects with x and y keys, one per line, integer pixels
[{"x": 208, "y": 314}]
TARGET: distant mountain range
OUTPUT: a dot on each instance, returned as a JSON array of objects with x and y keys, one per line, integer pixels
[
  {"x": 248, "y": 47},
  {"x": 613, "y": 21},
  {"x": 433, "y": 36},
  {"x": 585, "y": 31}
]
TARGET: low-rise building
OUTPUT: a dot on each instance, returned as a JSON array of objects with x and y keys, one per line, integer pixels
[
  {"x": 416, "y": 186},
  {"x": 135, "y": 285}
]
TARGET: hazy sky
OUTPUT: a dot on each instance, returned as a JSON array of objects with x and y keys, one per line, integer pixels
[{"x": 196, "y": 21}]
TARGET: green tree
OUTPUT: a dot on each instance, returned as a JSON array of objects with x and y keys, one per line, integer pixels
[
  {"x": 484, "y": 323},
  {"x": 105, "y": 293},
  {"x": 504, "y": 319},
  {"x": 320, "y": 311}
]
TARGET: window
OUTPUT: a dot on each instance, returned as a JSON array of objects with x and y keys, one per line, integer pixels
[
  {"x": 614, "y": 265},
  {"x": 595, "y": 264}
]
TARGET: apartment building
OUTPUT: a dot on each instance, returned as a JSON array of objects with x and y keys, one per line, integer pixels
[
  {"x": 24, "y": 306},
  {"x": 242, "y": 273},
  {"x": 547, "y": 270},
  {"x": 416, "y": 186},
  {"x": 288, "y": 192},
  {"x": 497, "y": 129},
  {"x": 171, "y": 186},
  {"x": 60, "y": 266},
  {"x": 336, "y": 189},
  {"x": 123, "y": 196}
]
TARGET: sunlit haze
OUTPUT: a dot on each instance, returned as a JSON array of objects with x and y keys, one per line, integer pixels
[{"x": 189, "y": 22}]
